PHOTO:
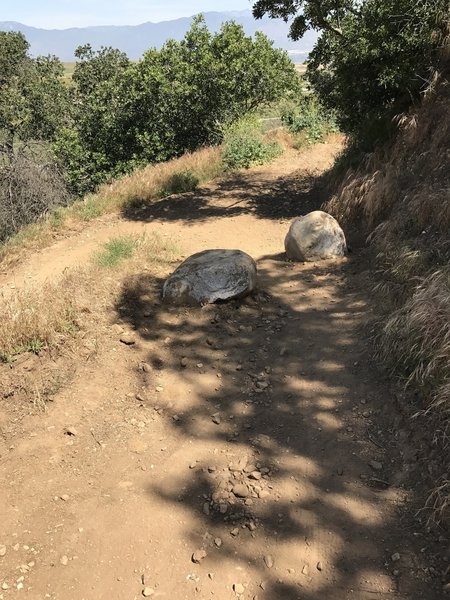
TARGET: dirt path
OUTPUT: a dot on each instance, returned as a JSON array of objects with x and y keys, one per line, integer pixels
[{"x": 133, "y": 467}]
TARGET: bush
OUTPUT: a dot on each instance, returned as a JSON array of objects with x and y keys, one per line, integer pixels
[
  {"x": 180, "y": 183},
  {"x": 30, "y": 187},
  {"x": 245, "y": 146},
  {"x": 309, "y": 119}
]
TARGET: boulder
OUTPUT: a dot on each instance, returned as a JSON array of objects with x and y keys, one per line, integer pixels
[
  {"x": 211, "y": 275},
  {"x": 315, "y": 236}
]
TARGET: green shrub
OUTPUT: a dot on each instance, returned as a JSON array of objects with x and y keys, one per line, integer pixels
[
  {"x": 180, "y": 183},
  {"x": 245, "y": 146},
  {"x": 309, "y": 119},
  {"x": 115, "y": 251}
]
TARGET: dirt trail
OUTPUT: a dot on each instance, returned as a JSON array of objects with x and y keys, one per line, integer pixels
[{"x": 131, "y": 469}]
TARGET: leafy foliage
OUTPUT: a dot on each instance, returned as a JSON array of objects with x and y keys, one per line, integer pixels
[
  {"x": 373, "y": 57},
  {"x": 172, "y": 101},
  {"x": 244, "y": 146},
  {"x": 309, "y": 120}
]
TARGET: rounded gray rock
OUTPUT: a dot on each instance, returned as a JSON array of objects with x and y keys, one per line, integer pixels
[
  {"x": 209, "y": 276},
  {"x": 315, "y": 236}
]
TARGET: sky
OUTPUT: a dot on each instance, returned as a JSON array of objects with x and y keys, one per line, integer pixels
[{"x": 60, "y": 14}]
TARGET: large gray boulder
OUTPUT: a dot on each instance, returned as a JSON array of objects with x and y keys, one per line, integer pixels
[
  {"x": 315, "y": 236},
  {"x": 211, "y": 275}
]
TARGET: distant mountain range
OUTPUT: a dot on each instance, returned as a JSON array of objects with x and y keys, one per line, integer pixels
[{"x": 135, "y": 39}]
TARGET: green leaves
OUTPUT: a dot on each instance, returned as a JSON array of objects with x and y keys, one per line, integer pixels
[
  {"x": 373, "y": 58},
  {"x": 172, "y": 101}
]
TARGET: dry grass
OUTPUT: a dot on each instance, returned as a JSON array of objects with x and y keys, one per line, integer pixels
[
  {"x": 56, "y": 314},
  {"x": 140, "y": 187},
  {"x": 400, "y": 198}
]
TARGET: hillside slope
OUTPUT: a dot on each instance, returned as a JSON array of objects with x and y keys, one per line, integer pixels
[{"x": 400, "y": 198}]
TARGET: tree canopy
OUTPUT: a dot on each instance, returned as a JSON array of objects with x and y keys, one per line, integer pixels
[
  {"x": 373, "y": 57},
  {"x": 171, "y": 101}
]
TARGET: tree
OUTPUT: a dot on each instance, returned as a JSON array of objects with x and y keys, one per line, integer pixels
[
  {"x": 33, "y": 99},
  {"x": 373, "y": 57},
  {"x": 171, "y": 101}
]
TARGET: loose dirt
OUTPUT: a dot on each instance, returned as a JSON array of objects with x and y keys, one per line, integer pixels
[{"x": 244, "y": 450}]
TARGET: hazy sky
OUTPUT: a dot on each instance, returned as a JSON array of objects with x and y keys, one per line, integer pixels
[{"x": 80, "y": 13}]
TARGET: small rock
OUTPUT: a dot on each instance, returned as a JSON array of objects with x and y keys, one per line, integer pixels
[
  {"x": 319, "y": 566},
  {"x": 184, "y": 362},
  {"x": 65, "y": 497},
  {"x": 159, "y": 388},
  {"x": 198, "y": 556},
  {"x": 193, "y": 465},
  {"x": 240, "y": 490},
  {"x": 263, "y": 494},
  {"x": 206, "y": 508},
  {"x": 70, "y": 431},
  {"x": 238, "y": 588},
  {"x": 218, "y": 542},
  {"x": 375, "y": 465},
  {"x": 255, "y": 475},
  {"x": 2, "y": 550},
  {"x": 216, "y": 419},
  {"x": 147, "y": 592},
  {"x": 128, "y": 339},
  {"x": 5, "y": 586},
  {"x": 146, "y": 368},
  {"x": 269, "y": 561},
  {"x": 64, "y": 560},
  {"x": 395, "y": 557},
  {"x": 235, "y": 532}
]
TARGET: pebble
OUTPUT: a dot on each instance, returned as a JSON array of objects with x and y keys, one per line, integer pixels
[
  {"x": 255, "y": 475},
  {"x": 159, "y": 388},
  {"x": 240, "y": 490},
  {"x": 218, "y": 542},
  {"x": 65, "y": 497},
  {"x": 146, "y": 368},
  {"x": 319, "y": 566},
  {"x": 128, "y": 339},
  {"x": 395, "y": 557},
  {"x": 375, "y": 465},
  {"x": 184, "y": 362},
  {"x": 235, "y": 532},
  {"x": 70, "y": 431},
  {"x": 216, "y": 419},
  {"x": 263, "y": 494},
  {"x": 238, "y": 588},
  {"x": 2, "y": 550},
  {"x": 198, "y": 556},
  {"x": 269, "y": 561},
  {"x": 64, "y": 560},
  {"x": 5, "y": 586},
  {"x": 147, "y": 592}
]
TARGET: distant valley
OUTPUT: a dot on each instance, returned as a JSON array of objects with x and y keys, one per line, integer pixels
[{"x": 135, "y": 39}]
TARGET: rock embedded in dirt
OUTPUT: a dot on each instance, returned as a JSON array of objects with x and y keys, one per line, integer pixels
[
  {"x": 315, "y": 236},
  {"x": 198, "y": 556},
  {"x": 215, "y": 419},
  {"x": 238, "y": 588},
  {"x": 269, "y": 561},
  {"x": 209, "y": 276},
  {"x": 147, "y": 592},
  {"x": 395, "y": 557},
  {"x": 64, "y": 560},
  {"x": 218, "y": 542},
  {"x": 375, "y": 465},
  {"x": 2, "y": 550},
  {"x": 240, "y": 490},
  {"x": 184, "y": 362},
  {"x": 128, "y": 339}
]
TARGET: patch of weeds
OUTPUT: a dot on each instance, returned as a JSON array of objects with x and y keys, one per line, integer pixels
[
  {"x": 180, "y": 183},
  {"x": 245, "y": 146},
  {"x": 115, "y": 251},
  {"x": 58, "y": 218},
  {"x": 90, "y": 208},
  {"x": 308, "y": 121}
]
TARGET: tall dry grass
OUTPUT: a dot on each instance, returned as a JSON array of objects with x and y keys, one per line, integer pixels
[{"x": 400, "y": 198}]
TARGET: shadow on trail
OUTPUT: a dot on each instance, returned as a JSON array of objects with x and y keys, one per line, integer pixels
[
  {"x": 310, "y": 433},
  {"x": 237, "y": 194}
]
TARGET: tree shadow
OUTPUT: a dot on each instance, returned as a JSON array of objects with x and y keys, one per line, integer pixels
[
  {"x": 283, "y": 388},
  {"x": 240, "y": 193}
]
